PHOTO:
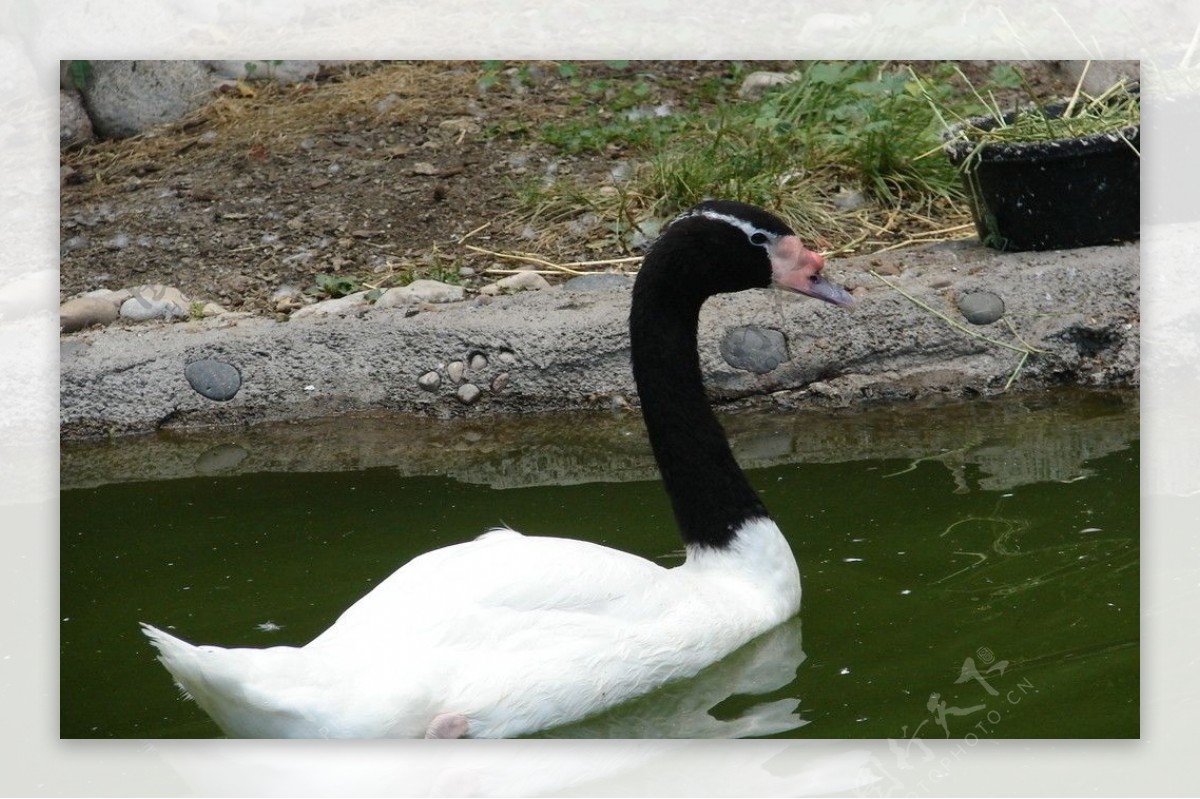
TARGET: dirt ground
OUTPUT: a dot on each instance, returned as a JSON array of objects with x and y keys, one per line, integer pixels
[{"x": 373, "y": 170}]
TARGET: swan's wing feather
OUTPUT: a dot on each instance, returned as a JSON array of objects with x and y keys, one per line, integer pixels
[{"x": 430, "y": 596}]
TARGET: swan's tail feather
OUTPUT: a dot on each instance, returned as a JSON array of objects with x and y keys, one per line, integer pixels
[
  {"x": 178, "y": 656},
  {"x": 244, "y": 690}
]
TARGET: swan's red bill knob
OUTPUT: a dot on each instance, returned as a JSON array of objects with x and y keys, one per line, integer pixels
[{"x": 796, "y": 268}]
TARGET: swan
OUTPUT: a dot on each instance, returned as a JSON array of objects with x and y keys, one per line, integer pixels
[{"x": 510, "y": 634}]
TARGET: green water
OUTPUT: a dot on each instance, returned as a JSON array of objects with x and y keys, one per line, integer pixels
[{"x": 1001, "y": 532}]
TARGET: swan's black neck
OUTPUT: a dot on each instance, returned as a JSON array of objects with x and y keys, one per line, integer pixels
[{"x": 709, "y": 493}]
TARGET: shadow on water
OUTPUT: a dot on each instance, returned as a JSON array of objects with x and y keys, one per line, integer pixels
[{"x": 969, "y": 568}]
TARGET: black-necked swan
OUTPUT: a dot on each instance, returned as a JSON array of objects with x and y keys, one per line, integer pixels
[{"x": 510, "y": 634}]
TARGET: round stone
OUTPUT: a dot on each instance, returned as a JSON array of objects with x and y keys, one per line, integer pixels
[
  {"x": 468, "y": 393},
  {"x": 456, "y": 370},
  {"x": 216, "y": 380},
  {"x": 753, "y": 348},
  {"x": 479, "y": 361},
  {"x": 981, "y": 307},
  {"x": 499, "y": 382},
  {"x": 429, "y": 381}
]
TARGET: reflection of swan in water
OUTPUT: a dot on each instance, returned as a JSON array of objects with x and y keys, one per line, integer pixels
[{"x": 685, "y": 709}]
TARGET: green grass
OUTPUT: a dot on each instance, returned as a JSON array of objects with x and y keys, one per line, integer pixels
[{"x": 839, "y": 127}]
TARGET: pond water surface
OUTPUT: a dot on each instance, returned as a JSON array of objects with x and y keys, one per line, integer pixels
[{"x": 968, "y": 568}]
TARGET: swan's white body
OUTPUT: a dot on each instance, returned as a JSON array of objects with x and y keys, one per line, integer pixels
[{"x": 510, "y": 633}]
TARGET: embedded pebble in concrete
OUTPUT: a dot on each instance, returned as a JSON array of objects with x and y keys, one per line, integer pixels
[
  {"x": 455, "y": 370},
  {"x": 981, "y": 307},
  {"x": 468, "y": 393},
  {"x": 216, "y": 380},
  {"x": 753, "y": 348},
  {"x": 478, "y": 361},
  {"x": 507, "y": 357},
  {"x": 500, "y": 382},
  {"x": 429, "y": 381}
]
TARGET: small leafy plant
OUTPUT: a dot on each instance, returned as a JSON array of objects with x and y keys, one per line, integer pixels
[
  {"x": 251, "y": 68},
  {"x": 335, "y": 285}
]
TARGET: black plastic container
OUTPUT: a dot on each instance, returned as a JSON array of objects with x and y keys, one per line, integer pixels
[{"x": 1050, "y": 195}]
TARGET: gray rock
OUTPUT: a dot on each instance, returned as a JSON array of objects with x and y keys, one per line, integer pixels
[
  {"x": 282, "y": 72},
  {"x": 84, "y": 312},
  {"x": 420, "y": 291},
  {"x": 74, "y": 125},
  {"x": 598, "y": 281},
  {"x": 108, "y": 295},
  {"x": 500, "y": 382},
  {"x": 478, "y": 361},
  {"x": 981, "y": 307},
  {"x": 756, "y": 83},
  {"x": 521, "y": 281},
  {"x": 139, "y": 309},
  {"x": 753, "y": 348},
  {"x": 850, "y": 199},
  {"x": 118, "y": 242},
  {"x": 214, "y": 379},
  {"x": 155, "y": 301},
  {"x": 124, "y": 98},
  {"x": 456, "y": 371},
  {"x": 429, "y": 381},
  {"x": 641, "y": 237},
  {"x": 469, "y": 393},
  {"x": 460, "y": 125},
  {"x": 285, "y": 292},
  {"x": 334, "y": 307},
  {"x": 210, "y": 309}
]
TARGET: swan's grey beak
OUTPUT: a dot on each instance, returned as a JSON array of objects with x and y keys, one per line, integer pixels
[
  {"x": 796, "y": 268},
  {"x": 822, "y": 289}
]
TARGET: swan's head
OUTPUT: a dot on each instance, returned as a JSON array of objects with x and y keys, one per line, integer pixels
[{"x": 735, "y": 246}]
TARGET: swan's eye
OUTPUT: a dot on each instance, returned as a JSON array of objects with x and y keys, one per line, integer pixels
[{"x": 759, "y": 238}]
